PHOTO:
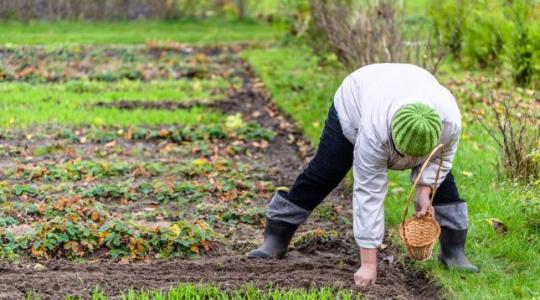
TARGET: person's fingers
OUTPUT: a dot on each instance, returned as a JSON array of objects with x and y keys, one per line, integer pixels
[
  {"x": 359, "y": 281},
  {"x": 422, "y": 212},
  {"x": 362, "y": 283}
]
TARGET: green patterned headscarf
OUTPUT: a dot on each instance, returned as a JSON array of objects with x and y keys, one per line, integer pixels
[{"x": 416, "y": 129}]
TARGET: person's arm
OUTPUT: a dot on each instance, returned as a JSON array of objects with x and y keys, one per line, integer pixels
[
  {"x": 422, "y": 199},
  {"x": 370, "y": 186}
]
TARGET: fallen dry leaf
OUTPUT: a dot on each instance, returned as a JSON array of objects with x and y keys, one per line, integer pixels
[{"x": 498, "y": 225}]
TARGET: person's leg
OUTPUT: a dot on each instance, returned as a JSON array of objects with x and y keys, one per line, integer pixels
[
  {"x": 451, "y": 213},
  {"x": 325, "y": 171}
]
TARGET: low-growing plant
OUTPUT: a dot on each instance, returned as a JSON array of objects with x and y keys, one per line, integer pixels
[
  {"x": 122, "y": 241},
  {"x": 183, "y": 239},
  {"x": 110, "y": 192},
  {"x": 11, "y": 246},
  {"x": 253, "y": 216},
  {"x": 325, "y": 211},
  {"x": 4, "y": 196},
  {"x": 315, "y": 237},
  {"x": 61, "y": 237},
  {"x": 25, "y": 189}
]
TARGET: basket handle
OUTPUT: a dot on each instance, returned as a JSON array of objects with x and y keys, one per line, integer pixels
[{"x": 409, "y": 197}]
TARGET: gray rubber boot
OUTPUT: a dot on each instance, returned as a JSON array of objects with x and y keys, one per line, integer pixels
[
  {"x": 453, "y": 250},
  {"x": 277, "y": 236}
]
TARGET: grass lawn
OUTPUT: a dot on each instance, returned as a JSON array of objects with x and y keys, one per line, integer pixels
[
  {"x": 99, "y": 33},
  {"x": 509, "y": 263}
]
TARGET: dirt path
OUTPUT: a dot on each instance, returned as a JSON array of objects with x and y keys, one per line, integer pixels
[{"x": 312, "y": 264}]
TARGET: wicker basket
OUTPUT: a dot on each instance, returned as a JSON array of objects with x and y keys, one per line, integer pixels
[{"x": 420, "y": 234}]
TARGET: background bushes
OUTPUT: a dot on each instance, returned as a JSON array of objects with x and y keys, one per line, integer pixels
[{"x": 493, "y": 34}]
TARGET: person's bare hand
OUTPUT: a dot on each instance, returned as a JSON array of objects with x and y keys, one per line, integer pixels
[
  {"x": 422, "y": 201},
  {"x": 366, "y": 275}
]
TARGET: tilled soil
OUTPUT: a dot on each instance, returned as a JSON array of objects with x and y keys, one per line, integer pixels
[
  {"x": 300, "y": 270},
  {"x": 320, "y": 263}
]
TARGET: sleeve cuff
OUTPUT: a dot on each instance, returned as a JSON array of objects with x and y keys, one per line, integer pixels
[{"x": 369, "y": 244}]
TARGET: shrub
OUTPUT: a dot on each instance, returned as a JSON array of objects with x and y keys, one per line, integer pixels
[
  {"x": 535, "y": 39},
  {"x": 515, "y": 128},
  {"x": 448, "y": 18},
  {"x": 521, "y": 45},
  {"x": 485, "y": 34},
  {"x": 366, "y": 32},
  {"x": 498, "y": 34}
]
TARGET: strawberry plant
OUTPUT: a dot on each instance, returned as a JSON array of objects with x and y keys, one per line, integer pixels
[
  {"x": 11, "y": 246},
  {"x": 182, "y": 238},
  {"x": 62, "y": 237},
  {"x": 109, "y": 192},
  {"x": 25, "y": 189},
  {"x": 3, "y": 195},
  {"x": 121, "y": 240}
]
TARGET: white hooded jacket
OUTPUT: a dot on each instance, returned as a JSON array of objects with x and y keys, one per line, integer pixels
[{"x": 366, "y": 103}]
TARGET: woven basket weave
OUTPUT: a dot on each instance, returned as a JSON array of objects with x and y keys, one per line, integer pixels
[{"x": 420, "y": 234}]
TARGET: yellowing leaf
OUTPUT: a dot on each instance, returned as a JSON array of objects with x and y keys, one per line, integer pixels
[
  {"x": 175, "y": 229},
  {"x": 498, "y": 225},
  {"x": 467, "y": 173},
  {"x": 234, "y": 121},
  {"x": 200, "y": 162}
]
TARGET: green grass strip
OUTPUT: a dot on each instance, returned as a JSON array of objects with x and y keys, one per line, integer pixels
[
  {"x": 188, "y": 291},
  {"x": 136, "y": 32},
  {"x": 74, "y": 102}
]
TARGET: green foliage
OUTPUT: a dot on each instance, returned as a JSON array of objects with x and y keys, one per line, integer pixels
[
  {"x": 65, "y": 237},
  {"x": 448, "y": 18},
  {"x": 24, "y": 189},
  {"x": 3, "y": 194},
  {"x": 313, "y": 238},
  {"x": 10, "y": 246},
  {"x": 521, "y": 45},
  {"x": 485, "y": 37},
  {"x": 109, "y": 191},
  {"x": 183, "y": 238},
  {"x": 201, "y": 291},
  {"x": 122, "y": 241},
  {"x": 531, "y": 208},
  {"x": 62, "y": 237},
  {"x": 492, "y": 34}
]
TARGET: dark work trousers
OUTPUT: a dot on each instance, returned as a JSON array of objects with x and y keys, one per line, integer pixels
[{"x": 332, "y": 162}]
